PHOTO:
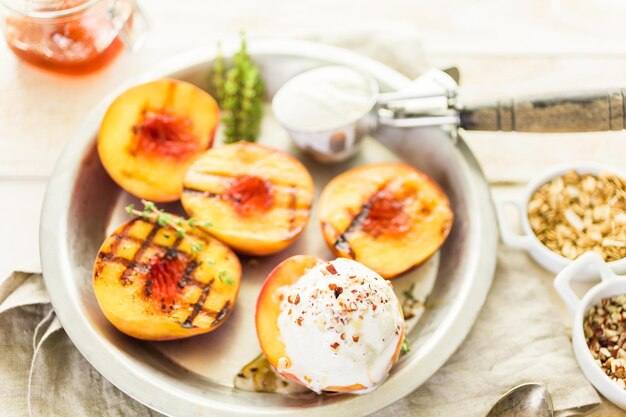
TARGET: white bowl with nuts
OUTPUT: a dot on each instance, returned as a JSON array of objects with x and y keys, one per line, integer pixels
[
  {"x": 568, "y": 211},
  {"x": 599, "y": 325}
]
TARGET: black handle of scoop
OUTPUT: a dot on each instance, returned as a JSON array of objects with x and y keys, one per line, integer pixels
[{"x": 590, "y": 111}]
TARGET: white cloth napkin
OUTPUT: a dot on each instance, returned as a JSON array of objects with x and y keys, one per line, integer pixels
[{"x": 518, "y": 337}]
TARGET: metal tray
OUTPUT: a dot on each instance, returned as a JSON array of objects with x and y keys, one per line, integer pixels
[{"x": 193, "y": 377}]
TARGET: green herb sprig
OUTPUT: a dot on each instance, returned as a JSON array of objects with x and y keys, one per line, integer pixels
[
  {"x": 218, "y": 75},
  {"x": 225, "y": 277},
  {"x": 150, "y": 212},
  {"x": 406, "y": 347},
  {"x": 239, "y": 92}
]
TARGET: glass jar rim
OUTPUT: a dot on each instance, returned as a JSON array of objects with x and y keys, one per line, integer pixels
[{"x": 48, "y": 14}]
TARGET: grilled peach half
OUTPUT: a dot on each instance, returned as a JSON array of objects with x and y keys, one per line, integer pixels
[
  {"x": 268, "y": 306},
  {"x": 258, "y": 199},
  {"x": 154, "y": 284},
  {"x": 151, "y": 133},
  {"x": 389, "y": 216}
]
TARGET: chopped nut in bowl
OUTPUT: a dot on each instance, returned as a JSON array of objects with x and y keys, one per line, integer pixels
[
  {"x": 599, "y": 325},
  {"x": 569, "y": 211}
]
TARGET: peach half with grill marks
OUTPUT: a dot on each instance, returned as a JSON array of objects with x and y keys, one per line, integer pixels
[
  {"x": 258, "y": 199},
  {"x": 153, "y": 283},
  {"x": 389, "y": 216}
]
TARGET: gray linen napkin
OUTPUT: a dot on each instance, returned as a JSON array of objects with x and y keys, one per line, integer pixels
[{"x": 518, "y": 337}]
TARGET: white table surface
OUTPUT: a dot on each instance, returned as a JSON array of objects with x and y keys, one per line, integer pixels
[{"x": 502, "y": 48}]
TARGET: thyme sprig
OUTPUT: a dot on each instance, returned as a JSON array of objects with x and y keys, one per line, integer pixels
[
  {"x": 218, "y": 76},
  {"x": 225, "y": 277},
  {"x": 406, "y": 347},
  {"x": 150, "y": 212},
  {"x": 239, "y": 91}
]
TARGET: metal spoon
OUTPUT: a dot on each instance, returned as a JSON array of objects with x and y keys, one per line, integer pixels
[{"x": 526, "y": 400}]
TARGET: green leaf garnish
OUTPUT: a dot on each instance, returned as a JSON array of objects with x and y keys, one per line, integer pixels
[
  {"x": 408, "y": 294},
  {"x": 406, "y": 348},
  {"x": 149, "y": 205},
  {"x": 163, "y": 219},
  {"x": 239, "y": 91},
  {"x": 196, "y": 247},
  {"x": 224, "y": 276}
]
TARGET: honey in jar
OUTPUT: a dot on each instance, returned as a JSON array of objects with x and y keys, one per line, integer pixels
[{"x": 71, "y": 36}]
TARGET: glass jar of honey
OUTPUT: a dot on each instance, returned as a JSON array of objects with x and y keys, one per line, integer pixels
[{"x": 71, "y": 36}]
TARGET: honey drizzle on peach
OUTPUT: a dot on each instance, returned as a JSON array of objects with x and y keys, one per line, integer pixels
[
  {"x": 386, "y": 215},
  {"x": 382, "y": 213},
  {"x": 165, "y": 279},
  {"x": 251, "y": 194},
  {"x": 159, "y": 133},
  {"x": 398, "y": 208}
]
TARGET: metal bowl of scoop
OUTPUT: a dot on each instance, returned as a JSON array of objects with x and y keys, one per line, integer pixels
[{"x": 433, "y": 93}]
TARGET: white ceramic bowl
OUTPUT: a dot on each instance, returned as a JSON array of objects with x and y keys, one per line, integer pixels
[
  {"x": 528, "y": 241},
  {"x": 611, "y": 285}
]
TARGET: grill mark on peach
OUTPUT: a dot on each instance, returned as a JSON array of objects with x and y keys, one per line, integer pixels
[
  {"x": 226, "y": 196},
  {"x": 227, "y": 175},
  {"x": 341, "y": 243},
  {"x": 189, "y": 268},
  {"x": 141, "y": 266},
  {"x": 144, "y": 268},
  {"x": 111, "y": 258},
  {"x": 221, "y": 315},
  {"x": 293, "y": 206},
  {"x": 188, "y": 323},
  {"x": 224, "y": 176},
  {"x": 175, "y": 244},
  {"x": 204, "y": 193},
  {"x": 293, "y": 201},
  {"x": 113, "y": 248},
  {"x": 135, "y": 261}
]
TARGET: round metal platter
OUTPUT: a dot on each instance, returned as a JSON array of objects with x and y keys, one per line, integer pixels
[{"x": 193, "y": 377}]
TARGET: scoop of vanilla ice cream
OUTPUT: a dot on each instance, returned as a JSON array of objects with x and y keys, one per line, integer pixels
[{"x": 341, "y": 324}]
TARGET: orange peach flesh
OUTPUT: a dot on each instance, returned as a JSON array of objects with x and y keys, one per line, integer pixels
[
  {"x": 152, "y": 306},
  {"x": 152, "y": 133},
  {"x": 268, "y": 304},
  {"x": 390, "y": 216},
  {"x": 257, "y": 198}
]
